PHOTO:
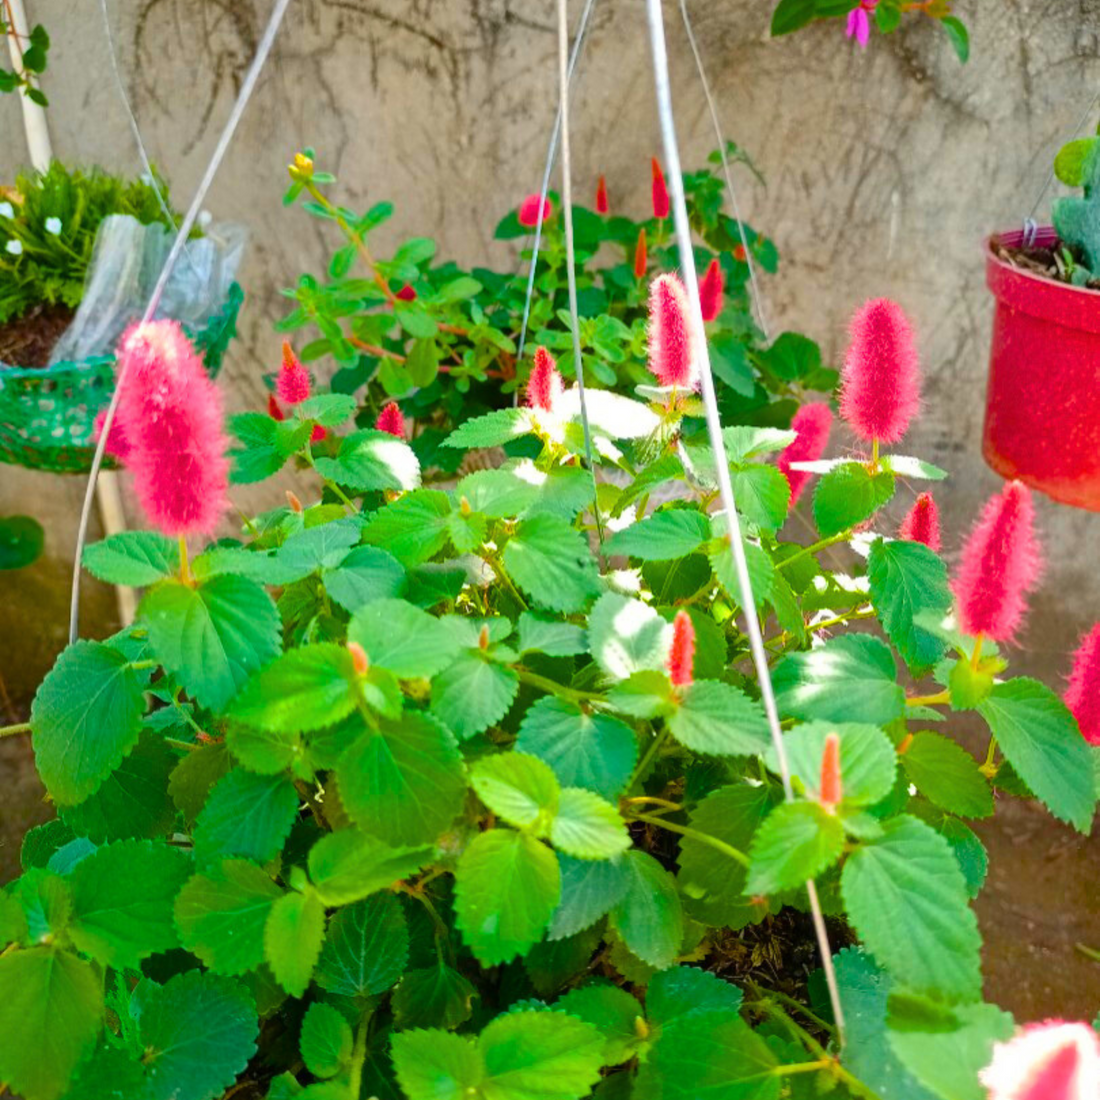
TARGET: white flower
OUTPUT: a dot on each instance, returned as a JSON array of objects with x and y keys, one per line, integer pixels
[
  {"x": 53, "y": 225},
  {"x": 14, "y": 247},
  {"x": 7, "y": 210}
]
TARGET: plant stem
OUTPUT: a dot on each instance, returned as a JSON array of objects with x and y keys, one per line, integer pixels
[
  {"x": 929, "y": 700},
  {"x": 874, "y": 455},
  {"x": 648, "y": 756},
  {"x": 838, "y": 619},
  {"x": 1088, "y": 952},
  {"x": 668, "y": 807},
  {"x": 552, "y": 687},
  {"x": 495, "y": 561},
  {"x": 187, "y": 746},
  {"x": 803, "y": 1067},
  {"x": 185, "y": 567},
  {"x": 359, "y": 1056},
  {"x": 374, "y": 349},
  {"x": 989, "y": 769},
  {"x": 694, "y": 834},
  {"x": 976, "y": 656},
  {"x": 337, "y": 491},
  {"x": 821, "y": 544},
  {"x": 11, "y": 731}
]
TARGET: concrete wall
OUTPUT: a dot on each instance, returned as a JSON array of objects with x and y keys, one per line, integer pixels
[{"x": 884, "y": 169}]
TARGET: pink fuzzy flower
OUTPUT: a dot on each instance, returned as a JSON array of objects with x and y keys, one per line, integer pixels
[
  {"x": 880, "y": 384},
  {"x": 1083, "y": 694},
  {"x": 999, "y": 566},
  {"x": 118, "y": 446},
  {"x": 172, "y": 415},
  {"x": 922, "y": 523},
  {"x": 681, "y": 654},
  {"x": 602, "y": 205},
  {"x": 671, "y": 354},
  {"x": 406, "y": 294},
  {"x": 812, "y": 424},
  {"x": 1053, "y": 1060},
  {"x": 831, "y": 790},
  {"x": 859, "y": 22},
  {"x": 711, "y": 289},
  {"x": 544, "y": 384},
  {"x": 659, "y": 191},
  {"x": 529, "y": 211},
  {"x": 391, "y": 421},
  {"x": 641, "y": 257},
  {"x": 292, "y": 385}
]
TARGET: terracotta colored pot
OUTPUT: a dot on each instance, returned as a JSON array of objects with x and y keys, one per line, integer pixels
[{"x": 1042, "y": 411}]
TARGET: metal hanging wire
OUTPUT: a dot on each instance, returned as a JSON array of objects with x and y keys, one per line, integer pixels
[
  {"x": 725, "y": 486},
  {"x": 245, "y": 94}
]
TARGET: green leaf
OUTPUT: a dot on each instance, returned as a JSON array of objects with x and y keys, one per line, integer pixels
[
  {"x": 267, "y": 443},
  {"x": 552, "y": 563},
  {"x": 796, "y": 842},
  {"x": 263, "y": 751},
  {"x": 720, "y": 720},
  {"x": 348, "y": 865},
  {"x": 122, "y": 901},
  {"x": 369, "y": 460},
  {"x": 497, "y": 493},
  {"x": 1069, "y": 163},
  {"x": 51, "y": 1008},
  {"x": 848, "y": 679},
  {"x": 906, "y": 579},
  {"x": 491, "y": 430},
  {"x": 303, "y": 689},
  {"x": 614, "y": 1012},
  {"x": 868, "y": 763},
  {"x": 436, "y": 1065},
  {"x": 649, "y": 918},
  {"x": 314, "y": 548},
  {"x": 587, "y": 827},
  {"x": 366, "y": 574},
  {"x": 328, "y": 409},
  {"x": 688, "y": 991},
  {"x": 662, "y": 536},
  {"x": 762, "y": 494},
  {"x": 521, "y": 789},
  {"x": 402, "y": 638},
  {"x": 906, "y": 897},
  {"x": 198, "y": 1032},
  {"x": 1041, "y": 741},
  {"x": 959, "y": 36},
  {"x": 191, "y": 779},
  {"x": 507, "y": 885},
  {"x": 438, "y": 996},
  {"x": 760, "y": 567},
  {"x": 293, "y": 934},
  {"x": 137, "y": 558},
  {"x": 947, "y": 775},
  {"x": 404, "y": 782},
  {"x": 627, "y": 636},
  {"x": 46, "y": 903},
  {"x": 366, "y": 948},
  {"x": 213, "y": 636},
  {"x": 221, "y": 915},
  {"x": 246, "y": 815},
  {"x": 590, "y": 750},
  {"x": 790, "y": 15},
  {"x": 473, "y": 694},
  {"x": 326, "y": 1041},
  {"x": 542, "y": 634},
  {"x": 849, "y": 494},
  {"x": 85, "y": 718},
  {"x": 589, "y": 890},
  {"x": 413, "y": 529}
]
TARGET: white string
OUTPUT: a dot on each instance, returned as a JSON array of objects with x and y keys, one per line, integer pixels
[
  {"x": 725, "y": 487},
  {"x": 570, "y": 256},
  {"x": 757, "y": 297},
  {"x": 247, "y": 88}
]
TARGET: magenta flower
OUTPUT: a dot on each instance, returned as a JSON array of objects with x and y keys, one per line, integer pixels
[
  {"x": 859, "y": 22},
  {"x": 391, "y": 421},
  {"x": 529, "y": 211},
  {"x": 292, "y": 383},
  {"x": 544, "y": 385},
  {"x": 681, "y": 654},
  {"x": 1053, "y": 1060},
  {"x": 671, "y": 354}
]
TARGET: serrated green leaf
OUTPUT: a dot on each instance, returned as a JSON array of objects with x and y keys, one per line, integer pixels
[
  {"x": 264, "y": 752},
  {"x": 318, "y": 547},
  {"x": 213, "y": 636},
  {"x": 402, "y": 638},
  {"x": 293, "y": 933},
  {"x": 473, "y": 694},
  {"x": 720, "y": 720},
  {"x": 370, "y": 460},
  {"x": 1040, "y": 739},
  {"x": 760, "y": 567},
  {"x": 497, "y": 493},
  {"x": 85, "y": 718},
  {"x": 413, "y": 528},
  {"x": 135, "y": 558},
  {"x": 906, "y": 897},
  {"x": 543, "y": 634},
  {"x": 326, "y": 1041},
  {"x": 627, "y": 636},
  {"x": 650, "y": 918},
  {"x": 347, "y": 865},
  {"x": 267, "y": 444},
  {"x": 328, "y": 409},
  {"x": 490, "y": 430},
  {"x": 947, "y": 775},
  {"x": 611, "y": 1010},
  {"x": 663, "y": 536},
  {"x": 906, "y": 579},
  {"x": 507, "y": 885},
  {"x": 436, "y": 1065},
  {"x": 589, "y": 890},
  {"x": 588, "y": 827},
  {"x": 552, "y": 563},
  {"x": 368, "y": 573},
  {"x": 437, "y": 996},
  {"x": 366, "y": 948},
  {"x": 849, "y": 494},
  {"x": 521, "y": 789},
  {"x": 688, "y": 991},
  {"x": 191, "y": 779},
  {"x": 246, "y": 815},
  {"x": 762, "y": 494},
  {"x": 797, "y": 841}
]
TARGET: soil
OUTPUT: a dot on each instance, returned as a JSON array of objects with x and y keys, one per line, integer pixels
[
  {"x": 1045, "y": 262},
  {"x": 28, "y": 340}
]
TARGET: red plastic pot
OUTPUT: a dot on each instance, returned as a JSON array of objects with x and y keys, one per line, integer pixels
[{"x": 1042, "y": 412}]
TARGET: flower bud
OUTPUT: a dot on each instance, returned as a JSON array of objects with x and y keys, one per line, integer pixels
[
  {"x": 831, "y": 792},
  {"x": 359, "y": 659},
  {"x": 659, "y": 191},
  {"x": 681, "y": 654}
]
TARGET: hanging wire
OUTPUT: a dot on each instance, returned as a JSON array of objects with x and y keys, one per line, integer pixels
[
  {"x": 247, "y": 88},
  {"x": 578, "y": 40},
  {"x": 725, "y": 487},
  {"x": 570, "y": 256},
  {"x": 757, "y": 297}
]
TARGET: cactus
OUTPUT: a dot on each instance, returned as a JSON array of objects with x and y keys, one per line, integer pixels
[{"x": 1077, "y": 219}]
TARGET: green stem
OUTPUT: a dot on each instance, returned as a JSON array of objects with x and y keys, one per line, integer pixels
[
  {"x": 694, "y": 834},
  {"x": 989, "y": 769},
  {"x": 11, "y": 731},
  {"x": 647, "y": 758},
  {"x": 552, "y": 687},
  {"x": 929, "y": 700},
  {"x": 359, "y": 1056},
  {"x": 1088, "y": 952},
  {"x": 495, "y": 561},
  {"x": 187, "y": 746},
  {"x": 813, "y": 548},
  {"x": 803, "y": 1067},
  {"x": 838, "y": 619},
  {"x": 329, "y": 484},
  {"x": 185, "y": 569}
]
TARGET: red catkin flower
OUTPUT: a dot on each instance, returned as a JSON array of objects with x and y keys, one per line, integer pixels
[
  {"x": 641, "y": 257},
  {"x": 1000, "y": 564},
  {"x": 360, "y": 662},
  {"x": 812, "y": 422},
  {"x": 1083, "y": 694},
  {"x": 391, "y": 421},
  {"x": 117, "y": 446},
  {"x": 831, "y": 790},
  {"x": 602, "y": 205},
  {"x": 1053, "y": 1060},
  {"x": 670, "y": 344},
  {"x": 528, "y": 213},
  {"x": 292, "y": 385},
  {"x": 659, "y": 190},
  {"x": 273, "y": 409},
  {"x": 681, "y": 654},
  {"x": 544, "y": 384},
  {"x": 711, "y": 288},
  {"x": 922, "y": 523},
  {"x": 406, "y": 294},
  {"x": 880, "y": 383},
  {"x": 171, "y": 413},
  {"x": 293, "y": 503}
]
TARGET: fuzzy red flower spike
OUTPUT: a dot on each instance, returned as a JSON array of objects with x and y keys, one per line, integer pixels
[
  {"x": 671, "y": 353},
  {"x": 529, "y": 211},
  {"x": 641, "y": 257},
  {"x": 1000, "y": 564},
  {"x": 812, "y": 423},
  {"x": 602, "y": 205},
  {"x": 880, "y": 383},
  {"x": 831, "y": 790},
  {"x": 391, "y": 421},
  {"x": 544, "y": 385},
  {"x": 659, "y": 191},
  {"x": 1083, "y": 694},
  {"x": 681, "y": 654},
  {"x": 1054, "y": 1060},
  {"x": 406, "y": 294},
  {"x": 292, "y": 385},
  {"x": 922, "y": 523},
  {"x": 711, "y": 288}
]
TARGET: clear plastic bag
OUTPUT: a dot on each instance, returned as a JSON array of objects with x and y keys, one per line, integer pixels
[{"x": 126, "y": 262}]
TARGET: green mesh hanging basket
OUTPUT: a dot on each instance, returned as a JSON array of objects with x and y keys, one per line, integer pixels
[{"x": 47, "y": 414}]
